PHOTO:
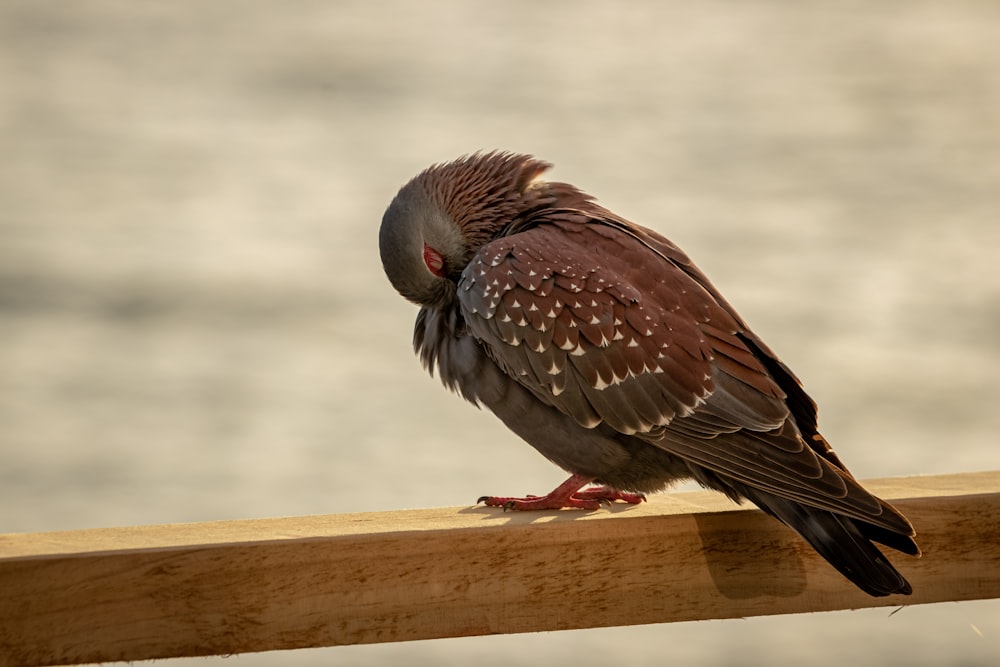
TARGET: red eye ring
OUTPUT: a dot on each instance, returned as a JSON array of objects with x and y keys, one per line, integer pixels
[{"x": 434, "y": 261}]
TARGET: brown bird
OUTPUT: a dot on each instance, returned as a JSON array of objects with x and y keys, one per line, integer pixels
[{"x": 604, "y": 347}]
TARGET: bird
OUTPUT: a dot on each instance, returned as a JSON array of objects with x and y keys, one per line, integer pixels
[{"x": 601, "y": 344}]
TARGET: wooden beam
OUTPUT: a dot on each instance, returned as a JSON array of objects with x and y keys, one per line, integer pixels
[{"x": 237, "y": 586}]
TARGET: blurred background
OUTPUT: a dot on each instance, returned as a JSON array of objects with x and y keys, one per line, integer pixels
[{"x": 194, "y": 322}]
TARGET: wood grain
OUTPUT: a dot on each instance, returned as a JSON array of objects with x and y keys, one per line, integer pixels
[{"x": 237, "y": 586}]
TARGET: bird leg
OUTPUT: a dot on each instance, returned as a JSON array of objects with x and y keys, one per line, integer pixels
[{"x": 568, "y": 494}]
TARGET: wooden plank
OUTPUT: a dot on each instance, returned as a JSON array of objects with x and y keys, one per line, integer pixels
[{"x": 236, "y": 586}]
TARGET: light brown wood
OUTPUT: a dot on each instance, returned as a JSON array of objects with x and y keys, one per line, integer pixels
[{"x": 237, "y": 586}]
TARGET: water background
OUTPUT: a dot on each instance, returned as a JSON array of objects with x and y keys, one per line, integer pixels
[{"x": 194, "y": 323}]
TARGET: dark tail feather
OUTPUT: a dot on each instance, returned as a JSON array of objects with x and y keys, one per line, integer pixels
[
  {"x": 844, "y": 542},
  {"x": 897, "y": 541}
]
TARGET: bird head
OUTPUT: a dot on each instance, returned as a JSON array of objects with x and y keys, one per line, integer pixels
[{"x": 441, "y": 218}]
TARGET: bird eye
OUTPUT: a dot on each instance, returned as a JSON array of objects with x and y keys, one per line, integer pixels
[{"x": 434, "y": 261}]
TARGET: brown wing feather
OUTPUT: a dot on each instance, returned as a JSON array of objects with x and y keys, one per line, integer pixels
[{"x": 556, "y": 309}]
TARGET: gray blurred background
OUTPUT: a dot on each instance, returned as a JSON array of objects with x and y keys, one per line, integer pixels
[{"x": 194, "y": 323}]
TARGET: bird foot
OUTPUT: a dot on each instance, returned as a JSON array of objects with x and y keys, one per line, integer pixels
[
  {"x": 608, "y": 494},
  {"x": 569, "y": 494}
]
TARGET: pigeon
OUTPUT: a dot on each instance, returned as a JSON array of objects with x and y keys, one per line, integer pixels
[{"x": 601, "y": 344}]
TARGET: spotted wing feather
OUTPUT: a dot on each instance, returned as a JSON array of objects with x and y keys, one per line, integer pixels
[{"x": 580, "y": 334}]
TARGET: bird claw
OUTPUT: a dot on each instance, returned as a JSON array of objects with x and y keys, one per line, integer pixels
[
  {"x": 585, "y": 499},
  {"x": 534, "y": 503},
  {"x": 606, "y": 494}
]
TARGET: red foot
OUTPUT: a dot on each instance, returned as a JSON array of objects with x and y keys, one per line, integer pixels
[{"x": 568, "y": 494}]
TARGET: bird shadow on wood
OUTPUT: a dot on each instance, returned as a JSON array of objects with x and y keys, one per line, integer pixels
[
  {"x": 744, "y": 559},
  {"x": 744, "y": 563}
]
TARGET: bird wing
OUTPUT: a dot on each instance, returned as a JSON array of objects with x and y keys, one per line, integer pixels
[
  {"x": 601, "y": 327},
  {"x": 611, "y": 323}
]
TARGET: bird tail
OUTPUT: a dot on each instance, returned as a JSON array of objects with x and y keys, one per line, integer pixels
[{"x": 845, "y": 542}]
